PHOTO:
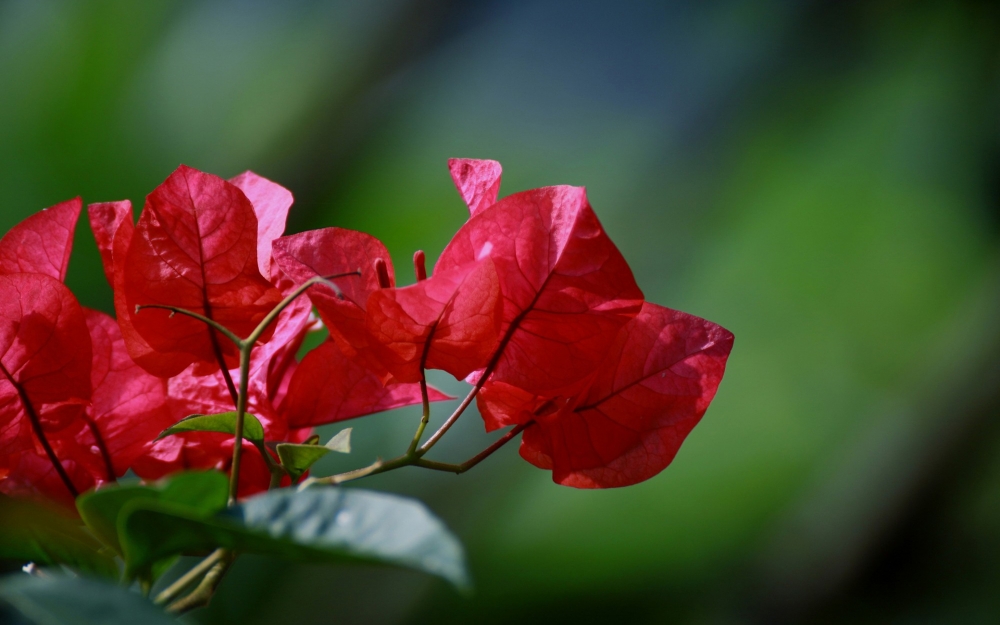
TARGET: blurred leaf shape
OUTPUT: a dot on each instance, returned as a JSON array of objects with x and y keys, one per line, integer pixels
[
  {"x": 330, "y": 525},
  {"x": 101, "y": 510},
  {"x": 34, "y": 532},
  {"x": 62, "y": 600}
]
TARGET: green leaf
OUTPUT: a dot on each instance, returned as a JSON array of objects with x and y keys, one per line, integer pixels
[
  {"x": 201, "y": 491},
  {"x": 62, "y": 600},
  {"x": 298, "y": 458},
  {"x": 223, "y": 422},
  {"x": 318, "y": 524},
  {"x": 33, "y": 532},
  {"x": 341, "y": 442}
]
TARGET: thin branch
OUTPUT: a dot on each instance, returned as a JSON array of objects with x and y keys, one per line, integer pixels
[
  {"x": 379, "y": 466},
  {"x": 202, "y": 594},
  {"x": 454, "y": 416},
  {"x": 211, "y": 322},
  {"x": 241, "y": 411},
  {"x": 415, "y": 459},
  {"x": 173, "y": 590},
  {"x": 424, "y": 418},
  {"x": 471, "y": 462}
]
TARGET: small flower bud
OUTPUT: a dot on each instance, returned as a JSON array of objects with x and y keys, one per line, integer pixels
[
  {"x": 382, "y": 272},
  {"x": 420, "y": 265}
]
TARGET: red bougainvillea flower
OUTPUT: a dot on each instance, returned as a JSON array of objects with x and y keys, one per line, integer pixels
[
  {"x": 628, "y": 423},
  {"x": 42, "y": 243},
  {"x": 566, "y": 288},
  {"x": 128, "y": 408},
  {"x": 478, "y": 182},
  {"x": 214, "y": 208},
  {"x": 213, "y": 215},
  {"x": 449, "y": 322},
  {"x": 37, "y": 452},
  {"x": 346, "y": 376},
  {"x": 45, "y": 376},
  {"x": 191, "y": 394},
  {"x": 195, "y": 247},
  {"x": 91, "y": 442},
  {"x": 328, "y": 386},
  {"x": 332, "y": 252},
  {"x": 609, "y": 395},
  {"x": 113, "y": 228}
]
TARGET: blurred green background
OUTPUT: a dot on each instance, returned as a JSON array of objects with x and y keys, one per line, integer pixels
[{"x": 822, "y": 178}]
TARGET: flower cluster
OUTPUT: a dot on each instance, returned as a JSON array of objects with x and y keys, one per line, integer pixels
[{"x": 531, "y": 303}]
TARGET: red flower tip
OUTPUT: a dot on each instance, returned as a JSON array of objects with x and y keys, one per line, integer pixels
[
  {"x": 420, "y": 265},
  {"x": 382, "y": 272},
  {"x": 477, "y": 181}
]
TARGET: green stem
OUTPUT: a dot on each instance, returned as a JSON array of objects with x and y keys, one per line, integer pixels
[
  {"x": 436, "y": 436},
  {"x": 424, "y": 418},
  {"x": 201, "y": 595},
  {"x": 241, "y": 411},
  {"x": 415, "y": 458},
  {"x": 173, "y": 590},
  {"x": 473, "y": 461},
  {"x": 190, "y": 313}
]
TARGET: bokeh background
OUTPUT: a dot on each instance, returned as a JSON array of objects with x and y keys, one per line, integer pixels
[{"x": 822, "y": 178}]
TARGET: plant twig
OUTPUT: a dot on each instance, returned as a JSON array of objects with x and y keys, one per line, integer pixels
[
  {"x": 473, "y": 461},
  {"x": 173, "y": 590},
  {"x": 424, "y": 418},
  {"x": 203, "y": 593},
  {"x": 416, "y": 459},
  {"x": 436, "y": 436},
  {"x": 241, "y": 411},
  {"x": 229, "y": 334}
]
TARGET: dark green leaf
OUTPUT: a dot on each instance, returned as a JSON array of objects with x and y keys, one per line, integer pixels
[
  {"x": 33, "y": 532},
  {"x": 319, "y": 524},
  {"x": 223, "y": 422},
  {"x": 298, "y": 458},
  {"x": 61, "y": 600},
  {"x": 202, "y": 491}
]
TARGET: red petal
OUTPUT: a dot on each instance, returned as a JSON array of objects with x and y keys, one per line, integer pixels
[
  {"x": 195, "y": 247},
  {"x": 41, "y": 243},
  {"x": 105, "y": 219},
  {"x": 449, "y": 322},
  {"x": 45, "y": 361},
  {"x": 31, "y": 473},
  {"x": 654, "y": 387},
  {"x": 271, "y": 202},
  {"x": 192, "y": 394},
  {"x": 328, "y": 386},
  {"x": 478, "y": 182},
  {"x": 128, "y": 405},
  {"x": 328, "y": 252},
  {"x": 566, "y": 287},
  {"x": 113, "y": 229},
  {"x": 502, "y": 405}
]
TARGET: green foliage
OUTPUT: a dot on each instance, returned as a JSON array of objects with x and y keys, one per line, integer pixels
[
  {"x": 224, "y": 422},
  {"x": 32, "y": 532},
  {"x": 298, "y": 458},
  {"x": 317, "y": 525},
  {"x": 200, "y": 491},
  {"x": 61, "y": 600}
]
